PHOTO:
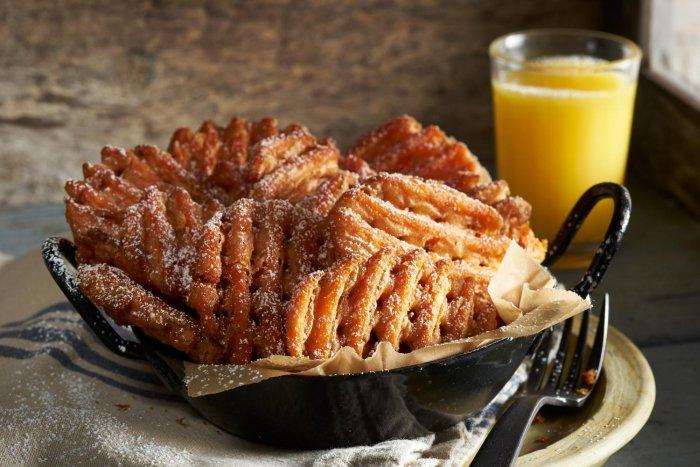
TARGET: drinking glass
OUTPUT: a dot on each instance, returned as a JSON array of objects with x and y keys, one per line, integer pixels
[{"x": 563, "y": 103}]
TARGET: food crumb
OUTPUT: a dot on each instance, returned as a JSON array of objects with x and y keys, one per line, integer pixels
[
  {"x": 122, "y": 407},
  {"x": 181, "y": 421},
  {"x": 543, "y": 439},
  {"x": 590, "y": 377},
  {"x": 583, "y": 391},
  {"x": 538, "y": 419}
]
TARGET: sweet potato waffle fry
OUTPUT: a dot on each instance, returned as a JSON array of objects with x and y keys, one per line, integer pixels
[
  {"x": 229, "y": 268},
  {"x": 246, "y": 241},
  {"x": 402, "y": 145},
  {"x": 223, "y": 267},
  {"x": 515, "y": 212},
  {"x": 255, "y": 159},
  {"x": 128, "y": 303},
  {"x": 408, "y": 212},
  {"x": 407, "y": 299}
]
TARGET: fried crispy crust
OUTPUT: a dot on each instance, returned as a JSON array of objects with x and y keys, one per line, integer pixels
[
  {"x": 515, "y": 212},
  {"x": 298, "y": 177},
  {"x": 407, "y": 299},
  {"x": 408, "y": 212},
  {"x": 313, "y": 250},
  {"x": 243, "y": 270},
  {"x": 254, "y": 159},
  {"x": 402, "y": 145},
  {"x": 227, "y": 265},
  {"x": 267, "y": 268},
  {"x": 236, "y": 299},
  {"x": 130, "y": 304},
  {"x": 381, "y": 140},
  {"x": 308, "y": 227},
  {"x": 164, "y": 242},
  {"x": 243, "y": 159}
]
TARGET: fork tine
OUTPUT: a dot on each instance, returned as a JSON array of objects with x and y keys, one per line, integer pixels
[
  {"x": 579, "y": 352},
  {"x": 539, "y": 362},
  {"x": 595, "y": 361},
  {"x": 560, "y": 357}
]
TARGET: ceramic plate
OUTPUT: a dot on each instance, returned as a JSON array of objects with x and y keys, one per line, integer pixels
[{"x": 619, "y": 408}]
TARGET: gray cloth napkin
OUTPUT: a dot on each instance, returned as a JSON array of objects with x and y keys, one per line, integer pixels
[{"x": 66, "y": 400}]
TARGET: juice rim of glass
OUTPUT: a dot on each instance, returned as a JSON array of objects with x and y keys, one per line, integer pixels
[{"x": 499, "y": 49}]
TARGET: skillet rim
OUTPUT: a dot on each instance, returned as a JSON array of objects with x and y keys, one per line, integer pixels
[{"x": 410, "y": 368}]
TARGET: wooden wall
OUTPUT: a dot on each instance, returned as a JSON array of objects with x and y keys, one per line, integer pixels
[
  {"x": 75, "y": 75},
  {"x": 665, "y": 145}
]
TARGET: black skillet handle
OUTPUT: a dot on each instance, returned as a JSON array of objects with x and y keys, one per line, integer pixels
[
  {"x": 59, "y": 255},
  {"x": 613, "y": 237}
]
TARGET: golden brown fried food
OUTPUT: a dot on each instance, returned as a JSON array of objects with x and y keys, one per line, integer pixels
[
  {"x": 130, "y": 304},
  {"x": 227, "y": 265},
  {"x": 216, "y": 151},
  {"x": 515, "y": 212},
  {"x": 402, "y": 145},
  {"x": 407, "y": 299},
  {"x": 308, "y": 227},
  {"x": 243, "y": 159},
  {"x": 247, "y": 241},
  {"x": 166, "y": 242},
  {"x": 230, "y": 265},
  {"x": 255, "y": 160},
  {"x": 146, "y": 166},
  {"x": 408, "y": 212}
]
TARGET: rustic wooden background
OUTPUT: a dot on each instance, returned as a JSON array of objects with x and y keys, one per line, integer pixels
[{"x": 76, "y": 75}]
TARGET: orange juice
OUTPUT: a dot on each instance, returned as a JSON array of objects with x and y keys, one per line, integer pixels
[{"x": 559, "y": 130}]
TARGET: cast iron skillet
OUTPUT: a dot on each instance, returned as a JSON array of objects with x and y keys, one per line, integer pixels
[{"x": 346, "y": 410}]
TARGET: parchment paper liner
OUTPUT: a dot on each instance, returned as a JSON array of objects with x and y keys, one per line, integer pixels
[{"x": 524, "y": 294}]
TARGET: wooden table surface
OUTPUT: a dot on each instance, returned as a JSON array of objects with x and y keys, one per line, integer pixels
[{"x": 655, "y": 297}]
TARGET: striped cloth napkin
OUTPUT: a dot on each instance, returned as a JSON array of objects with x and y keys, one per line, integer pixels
[{"x": 66, "y": 400}]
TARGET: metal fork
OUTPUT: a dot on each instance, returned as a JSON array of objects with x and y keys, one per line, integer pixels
[{"x": 503, "y": 443}]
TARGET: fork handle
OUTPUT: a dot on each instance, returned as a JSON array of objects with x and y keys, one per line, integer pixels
[{"x": 503, "y": 442}]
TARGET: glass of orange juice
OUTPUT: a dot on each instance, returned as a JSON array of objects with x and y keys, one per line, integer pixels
[{"x": 563, "y": 102}]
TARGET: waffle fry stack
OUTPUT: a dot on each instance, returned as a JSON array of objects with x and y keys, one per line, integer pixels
[{"x": 245, "y": 241}]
